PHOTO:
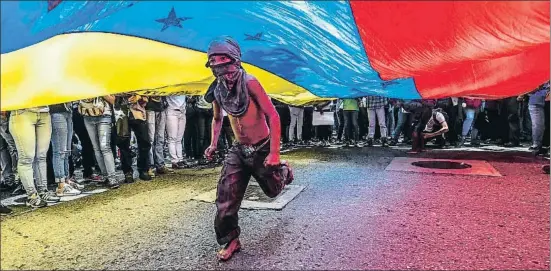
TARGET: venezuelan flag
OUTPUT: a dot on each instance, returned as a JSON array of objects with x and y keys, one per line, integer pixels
[{"x": 302, "y": 52}]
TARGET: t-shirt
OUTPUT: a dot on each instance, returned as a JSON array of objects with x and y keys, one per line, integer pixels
[
  {"x": 440, "y": 119},
  {"x": 350, "y": 105},
  {"x": 176, "y": 102}
]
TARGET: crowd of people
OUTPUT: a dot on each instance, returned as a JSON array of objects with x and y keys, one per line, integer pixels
[
  {"x": 450, "y": 122},
  {"x": 41, "y": 147}
]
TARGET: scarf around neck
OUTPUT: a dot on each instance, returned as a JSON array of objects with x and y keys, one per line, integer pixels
[{"x": 234, "y": 101}]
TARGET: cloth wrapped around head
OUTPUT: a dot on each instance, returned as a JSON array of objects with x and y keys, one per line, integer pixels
[
  {"x": 224, "y": 46},
  {"x": 234, "y": 101}
]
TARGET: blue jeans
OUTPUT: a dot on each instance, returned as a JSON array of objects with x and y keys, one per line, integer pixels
[
  {"x": 402, "y": 119},
  {"x": 62, "y": 134},
  {"x": 537, "y": 115},
  {"x": 99, "y": 129},
  {"x": 468, "y": 122}
]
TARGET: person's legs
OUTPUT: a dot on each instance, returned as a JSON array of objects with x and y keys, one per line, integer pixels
[
  {"x": 362, "y": 121},
  {"x": 271, "y": 180},
  {"x": 59, "y": 145},
  {"x": 381, "y": 119},
  {"x": 139, "y": 127},
  {"x": 340, "y": 118},
  {"x": 514, "y": 122},
  {"x": 468, "y": 122},
  {"x": 546, "y": 133},
  {"x": 87, "y": 152},
  {"x": 347, "y": 122},
  {"x": 421, "y": 119},
  {"x": 23, "y": 130},
  {"x": 8, "y": 176},
  {"x": 179, "y": 136},
  {"x": 174, "y": 142},
  {"x": 294, "y": 122},
  {"x": 91, "y": 125},
  {"x": 300, "y": 123},
  {"x": 390, "y": 121},
  {"x": 355, "y": 126},
  {"x": 10, "y": 148},
  {"x": 99, "y": 130},
  {"x": 43, "y": 138},
  {"x": 232, "y": 184},
  {"x": 371, "y": 115},
  {"x": 189, "y": 134},
  {"x": 69, "y": 144},
  {"x": 104, "y": 134},
  {"x": 399, "y": 126},
  {"x": 538, "y": 125},
  {"x": 307, "y": 127},
  {"x": 158, "y": 149},
  {"x": 151, "y": 131},
  {"x": 123, "y": 143},
  {"x": 202, "y": 125}
]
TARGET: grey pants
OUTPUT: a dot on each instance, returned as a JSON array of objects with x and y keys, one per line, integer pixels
[
  {"x": 8, "y": 152},
  {"x": 156, "y": 127}
]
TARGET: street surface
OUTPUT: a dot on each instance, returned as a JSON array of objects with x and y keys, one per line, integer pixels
[{"x": 352, "y": 215}]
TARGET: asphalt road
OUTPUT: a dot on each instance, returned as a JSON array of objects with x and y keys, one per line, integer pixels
[{"x": 352, "y": 215}]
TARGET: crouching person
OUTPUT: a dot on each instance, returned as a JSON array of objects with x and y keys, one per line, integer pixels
[{"x": 436, "y": 127}]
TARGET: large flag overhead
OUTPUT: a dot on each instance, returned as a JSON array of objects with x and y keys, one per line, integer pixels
[{"x": 301, "y": 51}]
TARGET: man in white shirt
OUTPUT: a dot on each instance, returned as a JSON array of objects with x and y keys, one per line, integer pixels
[{"x": 436, "y": 127}]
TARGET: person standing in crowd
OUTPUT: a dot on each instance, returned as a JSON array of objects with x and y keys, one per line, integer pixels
[
  {"x": 204, "y": 119},
  {"x": 525, "y": 121},
  {"x": 87, "y": 151},
  {"x": 175, "y": 128},
  {"x": 307, "y": 127},
  {"x": 284, "y": 118},
  {"x": 191, "y": 131},
  {"x": 97, "y": 114},
  {"x": 31, "y": 130},
  {"x": 352, "y": 129},
  {"x": 449, "y": 106},
  {"x": 226, "y": 134},
  {"x": 8, "y": 153},
  {"x": 376, "y": 110},
  {"x": 340, "y": 120},
  {"x": 402, "y": 125},
  {"x": 471, "y": 109},
  {"x": 156, "y": 124},
  {"x": 536, "y": 106},
  {"x": 391, "y": 109},
  {"x": 510, "y": 110},
  {"x": 62, "y": 138},
  {"x": 363, "y": 119},
  {"x": 133, "y": 107},
  {"x": 323, "y": 121},
  {"x": 297, "y": 119}
]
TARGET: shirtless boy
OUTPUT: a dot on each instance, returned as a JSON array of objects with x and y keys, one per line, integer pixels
[{"x": 255, "y": 123}]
